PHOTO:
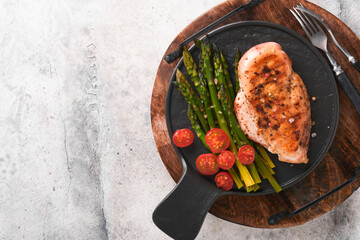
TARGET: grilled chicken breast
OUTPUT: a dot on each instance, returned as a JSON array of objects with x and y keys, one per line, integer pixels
[{"x": 272, "y": 105}]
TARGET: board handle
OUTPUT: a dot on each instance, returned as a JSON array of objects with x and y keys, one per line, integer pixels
[
  {"x": 181, "y": 214},
  {"x": 276, "y": 218},
  {"x": 178, "y": 53}
]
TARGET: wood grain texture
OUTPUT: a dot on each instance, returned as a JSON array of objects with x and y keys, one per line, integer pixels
[{"x": 334, "y": 169}]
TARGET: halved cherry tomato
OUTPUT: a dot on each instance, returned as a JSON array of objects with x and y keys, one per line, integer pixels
[
  {"x": 183, "y": 137},
  {"x": 224, "y": 180},
  {"x": 225, "y": 160},
  {"x": 217, "y": 140},
  {"x": 206, "y": 164},
  {"x": 246, "y": 154}
]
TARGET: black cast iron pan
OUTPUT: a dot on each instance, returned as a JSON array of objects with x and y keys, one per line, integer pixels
[{"x": 182, "y": 212}]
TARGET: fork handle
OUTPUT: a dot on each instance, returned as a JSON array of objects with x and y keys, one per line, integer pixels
[
  {"x": 350, "y": 90},
  {"x": 356, "y": 64}
]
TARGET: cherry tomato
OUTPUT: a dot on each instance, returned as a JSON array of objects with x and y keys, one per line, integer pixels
[
  {"x": 224, "y": 180},
  {"x": 217, "y": 140},
  {"x": 246, "y": 154},
  {"x": 183, "y": 137},
  {"x": 206, "y": 164},
  {"x": 225, "y": 160}
]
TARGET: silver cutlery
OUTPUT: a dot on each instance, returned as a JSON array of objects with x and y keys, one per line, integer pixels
[
  {"x": 318, "y": 38},
  {"x": 274, "y": 219},
  {"x": 350, "y": 58}
]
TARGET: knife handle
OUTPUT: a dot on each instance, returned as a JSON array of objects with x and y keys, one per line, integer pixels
[
  {"x": 356, "y": 64},
  {"x": 181, "y": 214},
  {"x": 350, "y": 90},
  {"x": 274, "y": 219}
]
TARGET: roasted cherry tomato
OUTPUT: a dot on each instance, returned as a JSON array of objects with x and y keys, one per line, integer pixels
[
  {"x": 217, "y": 140},
  {"x": 246, "y": 154},
  {"x": 224, "y": 180},
  {"x": 183, "y": 137},
  {"x": 206, "y": 164},
  {"x": 225, "y": 160}
]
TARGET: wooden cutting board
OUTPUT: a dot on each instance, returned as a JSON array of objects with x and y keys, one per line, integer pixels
[{"x": 338, "y": 164}]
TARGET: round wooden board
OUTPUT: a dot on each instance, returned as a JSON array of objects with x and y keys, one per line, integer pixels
[{"x": 334, "y": 169}]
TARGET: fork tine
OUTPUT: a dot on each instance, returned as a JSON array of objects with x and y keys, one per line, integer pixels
[
  {"x": 301, "y": 23},
  {"x": 318, "y": 27},
  {"x": 316, "y": 23},
  {"x": 309, "y": 21},
  {"x": 312, "y": 31}
]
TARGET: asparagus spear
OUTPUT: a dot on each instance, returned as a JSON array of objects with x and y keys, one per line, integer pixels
[
  {"x": 235, "y": 176},
  {"x": 184, "y": 87},
  {"x": 206, "y": 100},
  {"x": 203, "y": 80},
  {"x": 232, "y": 118},
  {"x": 201, "y": 88},
  {"x": 198, "y": 43},
  {"x": 274, "y": 184},
  {"x": 227, "y": 76},
  {"x": 204, "y": 83},
  {"x": 224, "y": 98},
  {"x": 265, "y": 174},
  {"x": 264, "y": 155},
  {"x": 254, "y": 173},
  {"x": 196, "y": 126},
  {"x": 252, "y": 188},
  {"x": 237, "y": 59},
  {"x": 219, "y": 70},
  {"x": 219, "y": 113},
  {"x": 236, "y": 139},
  {"x": 201, "y": 65}
]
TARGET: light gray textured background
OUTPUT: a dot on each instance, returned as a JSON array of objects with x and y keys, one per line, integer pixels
[{"x": 77, "y": 155}]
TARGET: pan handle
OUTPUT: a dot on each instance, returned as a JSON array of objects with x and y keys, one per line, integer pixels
[{"x": 181, "y": 214}]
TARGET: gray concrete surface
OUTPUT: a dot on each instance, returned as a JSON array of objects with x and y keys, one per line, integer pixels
[{"x": 77, "y": 156}]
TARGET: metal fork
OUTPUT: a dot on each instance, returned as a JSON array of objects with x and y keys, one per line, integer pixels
[
  {"x": 318, "y": 38},
  {"x": 350, "y": 58}
]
